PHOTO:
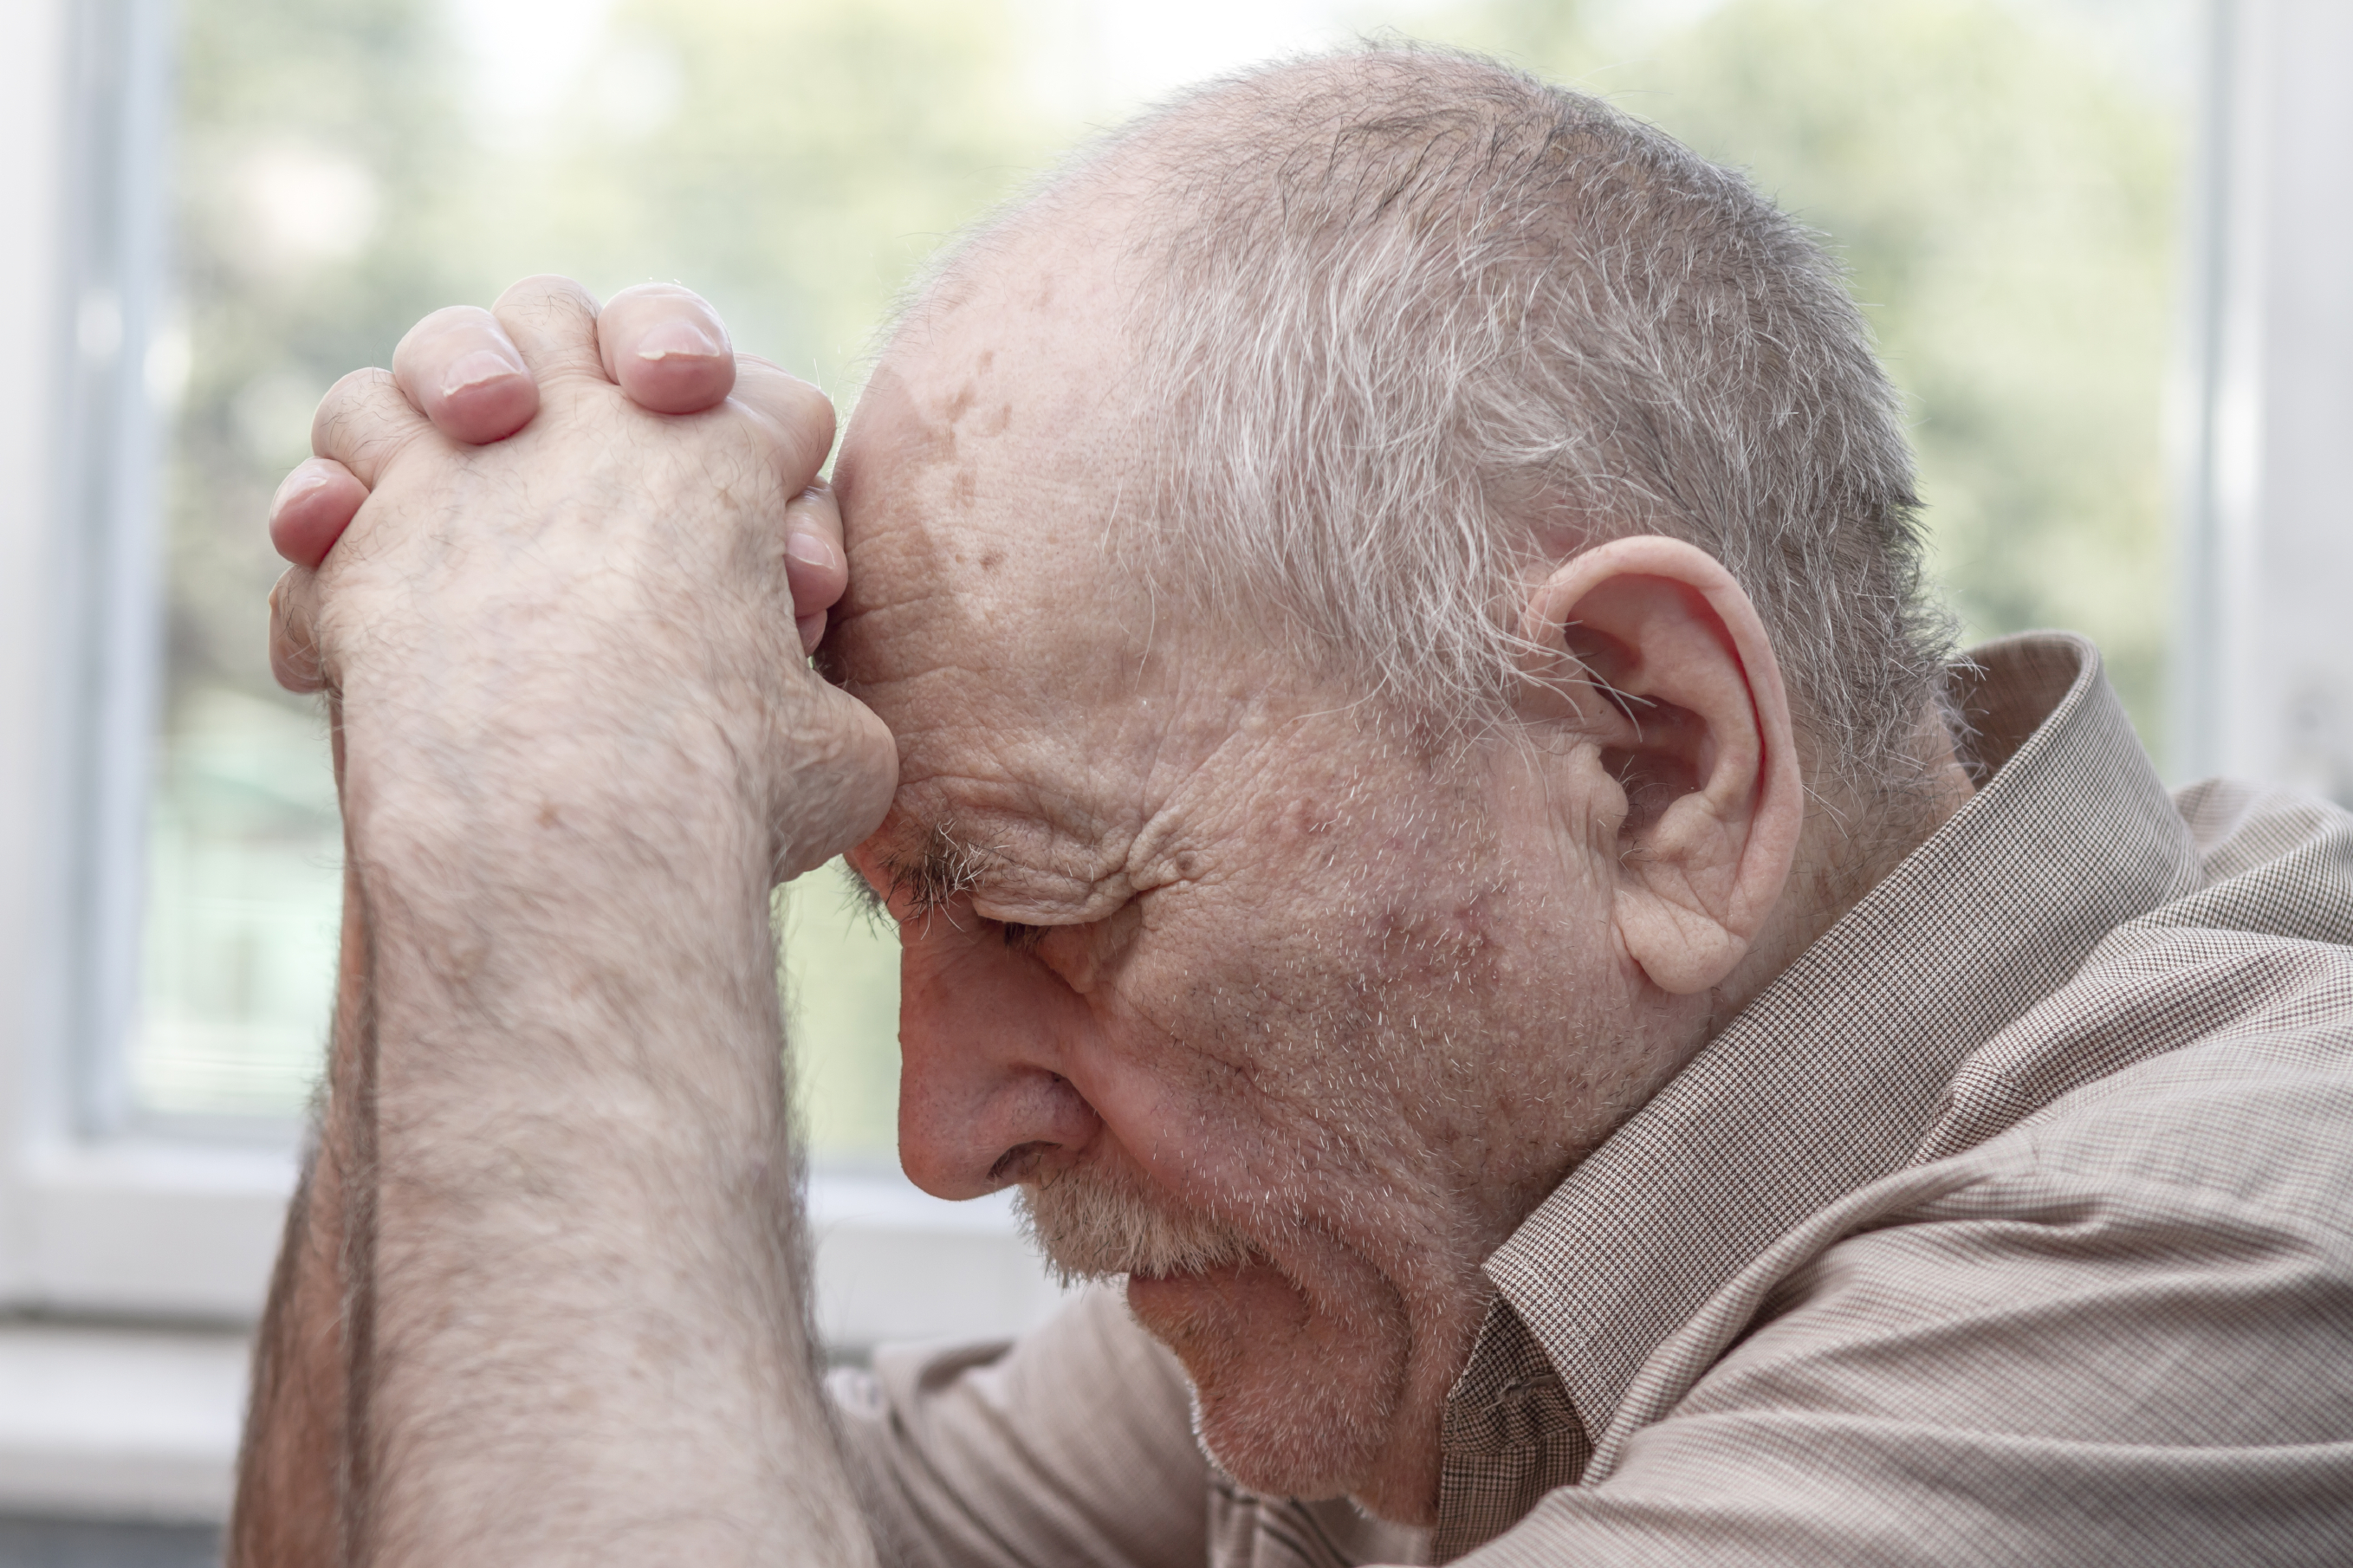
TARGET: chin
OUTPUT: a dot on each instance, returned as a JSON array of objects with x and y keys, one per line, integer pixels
[{"x": 1296, "y": 1393}]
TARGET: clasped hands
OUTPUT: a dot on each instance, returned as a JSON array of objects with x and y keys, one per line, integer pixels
[{"x": 562, "y": 551}]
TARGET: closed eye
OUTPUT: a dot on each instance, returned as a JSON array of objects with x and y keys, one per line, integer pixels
[{"x": 1021, "y": 938}]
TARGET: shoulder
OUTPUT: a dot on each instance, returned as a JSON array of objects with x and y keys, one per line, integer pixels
[
  {"x": 2165, "y": 1256},
  {"x": 2121, "y": 1331}
]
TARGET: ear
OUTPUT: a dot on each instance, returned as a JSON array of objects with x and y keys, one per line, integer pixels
[{"x": 1667, "y": 681}]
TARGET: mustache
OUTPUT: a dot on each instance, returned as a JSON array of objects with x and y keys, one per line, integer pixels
[{"x": 1090, "y": 1227}]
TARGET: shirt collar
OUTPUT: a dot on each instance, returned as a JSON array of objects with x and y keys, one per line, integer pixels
[{"x": 1828, "y": 1079}]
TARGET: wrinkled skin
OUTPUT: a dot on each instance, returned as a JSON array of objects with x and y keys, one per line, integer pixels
[
  {"x": 511, "y": 642},
  {"x": 1268, "y": 999},
  {"x": 1289, "y": 968}
]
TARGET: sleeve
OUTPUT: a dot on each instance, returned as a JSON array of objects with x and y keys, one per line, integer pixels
[
  {"x": 1073, "y": 1444},
  {"x": 2127, "y": 1340}
]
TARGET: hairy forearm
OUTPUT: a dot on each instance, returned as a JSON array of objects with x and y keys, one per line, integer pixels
[
  {"x": 294, "y": 1472},
  {"x": 544, "y": 1299},
  {"x": 543, "y": 1295},
  {"x": 589, "y": 1336}
]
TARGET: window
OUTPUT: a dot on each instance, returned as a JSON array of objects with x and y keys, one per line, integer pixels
[
  {"x": 2006, "y": 197},
  {"x": 265, "y": 193},
  {"x": 229, "y": 203}
]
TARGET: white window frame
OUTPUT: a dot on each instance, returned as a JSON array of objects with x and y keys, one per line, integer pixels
[
  {"x": 2262, "y": 686},
  {"x": 96, "y": 1220}
]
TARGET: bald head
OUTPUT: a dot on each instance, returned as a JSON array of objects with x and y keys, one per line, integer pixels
[
  {"x": 1396, "y": 329},
  {"x": 1210, "y": 516}
]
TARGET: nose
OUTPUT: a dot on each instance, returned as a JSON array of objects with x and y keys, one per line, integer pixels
[{"x": 985, "y": 1033}]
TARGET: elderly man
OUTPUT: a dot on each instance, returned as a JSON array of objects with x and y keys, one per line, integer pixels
[{"x": 1436, "y": 836}]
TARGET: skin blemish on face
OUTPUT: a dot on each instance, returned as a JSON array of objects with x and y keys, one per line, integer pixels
[{"x": 938, "y": 444}]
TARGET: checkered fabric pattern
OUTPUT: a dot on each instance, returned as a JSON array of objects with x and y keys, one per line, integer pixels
[{"x": 2012, "y": 1223}]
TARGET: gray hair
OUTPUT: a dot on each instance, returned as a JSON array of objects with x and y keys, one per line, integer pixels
[{"x": 1412, "y": 323}]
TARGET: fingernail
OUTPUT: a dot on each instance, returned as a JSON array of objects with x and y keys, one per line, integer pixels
[
  {"x": 809, "y": 547},
  {"x": 676, "y": 337},
  {"x": 477, "y": 369},
  {"x": 308, "y": 475}
]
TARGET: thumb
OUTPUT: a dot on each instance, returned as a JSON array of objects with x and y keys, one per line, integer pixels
[{"x": 845, "y": 769}]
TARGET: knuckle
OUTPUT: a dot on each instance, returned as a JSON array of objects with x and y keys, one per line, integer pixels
[
  {"x": 807, "y": 416},
  {"x": 436, "y": 323},
  {"x": 358, "y": 393},
  {"x": 544, "y": 292}
]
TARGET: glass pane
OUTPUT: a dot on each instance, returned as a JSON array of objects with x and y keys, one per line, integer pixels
[
  {"x": 2002, "y": 177},
  {"x": 343, "y": 166}
]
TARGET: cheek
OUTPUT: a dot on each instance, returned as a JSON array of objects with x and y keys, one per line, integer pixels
[
  {"x": 1333, "y": 1025},
  {"x": 1265, "y": 1084}
]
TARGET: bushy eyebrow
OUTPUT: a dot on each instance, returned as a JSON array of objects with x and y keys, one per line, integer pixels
[
  {"x": 925, "y": 881},
  {"x": 945, "y": 867}
]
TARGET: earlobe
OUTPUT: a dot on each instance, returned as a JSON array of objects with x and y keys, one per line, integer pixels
[
  {"x": 1672, "y": 690},
  {"x": 1681, "y": 950}
]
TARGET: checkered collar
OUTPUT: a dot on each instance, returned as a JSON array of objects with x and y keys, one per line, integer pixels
[{"x": 1828, "y": 1078}]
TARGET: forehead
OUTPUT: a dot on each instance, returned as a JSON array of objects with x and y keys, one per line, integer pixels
[{"x": 988, "y": 620}]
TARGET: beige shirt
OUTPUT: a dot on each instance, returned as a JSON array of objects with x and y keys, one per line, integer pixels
[{"x": 2012, "y": 1223}]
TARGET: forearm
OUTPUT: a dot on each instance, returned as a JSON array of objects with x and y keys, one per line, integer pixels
[
  {"x": 589, "y": 1336},
  {"x": 543, "y": 1295},
  {"x": 293, "y": 1471}
]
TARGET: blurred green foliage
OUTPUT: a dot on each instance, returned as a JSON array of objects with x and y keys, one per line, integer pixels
[
  {"x": 2005, "y": 198},
  {"x": 794, "y": 163},
  {"x": 319, "y": 141},
  {"x": 2002, "y": 189}
]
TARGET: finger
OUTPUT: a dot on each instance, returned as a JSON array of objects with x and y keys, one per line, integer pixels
[
  {"x": 461, "y": 369},
  {"x": 800, "y": 415},
  {"x": 667, "y": 348},
  {"x": 814, "y": 558},
  {"x": 311, "y": 509},
  {"x": 364, "y": 421},
  {"x": 844, "y": 794},
  {"x": 553, "y": 320},
  {"x": 814, "y": 562},
  {"x": 293, "y": 632}
]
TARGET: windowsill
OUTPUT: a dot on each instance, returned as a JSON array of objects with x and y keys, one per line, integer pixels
[
  {"x": 119, "y": 1423},
  {"x": 124, "y": 1421}
]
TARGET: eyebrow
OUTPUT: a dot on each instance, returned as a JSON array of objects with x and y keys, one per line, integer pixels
[{"x": 944, "y": 867}]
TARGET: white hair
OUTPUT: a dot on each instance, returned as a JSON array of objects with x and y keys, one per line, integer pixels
[{"x": 1412, "y": 323}]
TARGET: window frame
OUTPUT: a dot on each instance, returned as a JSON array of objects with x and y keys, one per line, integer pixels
[
  {"x": 101, "y": 1213},
  {"x": 100, "y": 1220}
]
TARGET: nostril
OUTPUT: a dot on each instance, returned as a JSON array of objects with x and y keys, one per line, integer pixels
[{"x": 1017, "y": 1161}]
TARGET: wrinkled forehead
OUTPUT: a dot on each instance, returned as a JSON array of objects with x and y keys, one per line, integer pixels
[
  {"x": 986, "y": 487},
  {"x": 989, "y": 620}
]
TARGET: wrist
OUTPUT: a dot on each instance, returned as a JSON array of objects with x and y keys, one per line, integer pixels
[{"x": 552, "y": 802}]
